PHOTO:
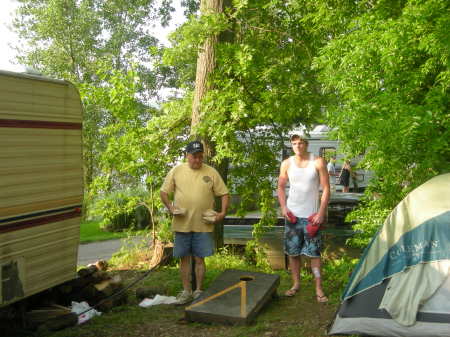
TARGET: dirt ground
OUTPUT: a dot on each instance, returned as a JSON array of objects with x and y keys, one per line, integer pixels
[
  {"x": 300, "y": 316},
  {"x": 283, "y": 316}
]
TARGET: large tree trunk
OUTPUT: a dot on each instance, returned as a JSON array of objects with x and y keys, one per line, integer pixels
[
  {"x": 206, "y": 63},
  {"x": 205, "y": 66}
]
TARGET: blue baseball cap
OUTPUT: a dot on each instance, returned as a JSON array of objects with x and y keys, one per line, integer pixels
[{"x": 194, "y": 147}]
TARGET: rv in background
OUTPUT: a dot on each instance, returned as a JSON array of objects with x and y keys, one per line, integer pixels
[
  {"x": 321, "y": 145},
  {"x": 41, "y": 184}
]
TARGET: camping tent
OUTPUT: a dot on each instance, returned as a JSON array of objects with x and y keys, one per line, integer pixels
[{"x": 401, "y": 286}]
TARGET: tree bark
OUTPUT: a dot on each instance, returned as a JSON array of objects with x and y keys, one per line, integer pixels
[{"x": 206, "y": 63}]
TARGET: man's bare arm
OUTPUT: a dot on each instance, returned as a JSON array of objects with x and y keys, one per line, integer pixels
[
  {"x": 325, "y": 184},
  {"x": 165, "y": 199},
  {"x": 225, "y": 200}
]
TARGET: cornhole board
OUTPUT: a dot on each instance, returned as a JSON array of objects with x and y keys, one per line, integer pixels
[{"x": 235, "y": 297}]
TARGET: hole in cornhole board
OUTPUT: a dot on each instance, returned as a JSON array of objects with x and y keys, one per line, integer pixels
[{"x": 234, "y": 297}]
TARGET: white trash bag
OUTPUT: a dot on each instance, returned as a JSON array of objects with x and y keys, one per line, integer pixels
[
  {"x": 78, "y": 308},
  {"x": 158, "y": 299}
]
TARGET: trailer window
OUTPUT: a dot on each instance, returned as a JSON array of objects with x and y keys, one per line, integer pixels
[
  {"x": 327, "y": 152},
  {"x": 287, "y": 152}
]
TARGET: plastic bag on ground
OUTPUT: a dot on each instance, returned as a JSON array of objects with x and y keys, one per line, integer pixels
[
  {"x": 158, "y": 299},
  {"x": 78, "y": 308}
]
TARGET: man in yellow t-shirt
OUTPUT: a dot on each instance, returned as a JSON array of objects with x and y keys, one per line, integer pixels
[{"x": 194, "y": 186}]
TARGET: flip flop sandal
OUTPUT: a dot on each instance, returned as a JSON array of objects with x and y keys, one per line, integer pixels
[
  {"x": 322, "y": 299},
  {"x": 291, "y": 292}
]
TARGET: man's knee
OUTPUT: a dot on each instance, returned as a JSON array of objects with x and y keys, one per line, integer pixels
[
  {"x": 316, "y": 272},
  {"x": 199, "y": 260}
]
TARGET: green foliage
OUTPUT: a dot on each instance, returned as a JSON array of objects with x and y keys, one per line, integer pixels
[
  {"x": 255, "y": 254},
  {"x": 117, "y": 210},
  {"x": 133, "y": 253},
  {"x": 336, "y": 275},
  {"x": 164, "y": 231},
  {"x": 103, "y": 48},
  {"x": 376, "y": 71},
  {"x": 262, "y": 86},
  {"x": 90, "y": 231},
  {"x": 142, "y": 142},
  {"x": 186, "y": 41},
  {"x": 390, "y": 74},
  {"x": 226, "y": 258},
  {"x": 368, "y": 220}
]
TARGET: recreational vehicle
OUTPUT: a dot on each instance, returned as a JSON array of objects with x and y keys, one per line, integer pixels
[
  {"x": 41, "y": 184},
  {"x": 321, "y": 145}
]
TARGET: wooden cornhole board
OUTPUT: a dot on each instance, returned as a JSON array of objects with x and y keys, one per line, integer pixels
[{"x": 235, "y": 297}]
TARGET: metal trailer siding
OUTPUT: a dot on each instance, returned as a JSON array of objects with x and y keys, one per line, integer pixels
[{"x": 41, "y": 184}]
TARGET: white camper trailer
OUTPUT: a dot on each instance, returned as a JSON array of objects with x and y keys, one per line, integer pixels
[
  {"x": 321, "y": 145},
  {"x": 41, "y": 184}
]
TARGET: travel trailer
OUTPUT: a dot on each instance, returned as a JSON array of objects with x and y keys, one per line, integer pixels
[
  {"x": 41, "y": 184},
  {"x": 321, "y": 145}
]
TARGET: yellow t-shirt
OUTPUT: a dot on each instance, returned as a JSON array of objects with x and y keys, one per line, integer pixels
[{"x": 193, "y": 190}]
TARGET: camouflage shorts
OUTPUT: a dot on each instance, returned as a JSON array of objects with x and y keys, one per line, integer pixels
[{"x": 297, "y": 240}]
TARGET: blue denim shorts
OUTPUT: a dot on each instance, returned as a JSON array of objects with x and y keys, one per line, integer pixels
[
  {"x": 297, "y": 240},
  {"x": 199, "y": 244}
]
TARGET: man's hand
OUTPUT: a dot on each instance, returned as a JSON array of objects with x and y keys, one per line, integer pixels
[
  {"x": 318, "y": 219},
  {"x": 170, "y": 208},
  {"x": 219, "y": 217},
  {"x": 177, "y": 211},
  {"x": 284, "y": 212}
]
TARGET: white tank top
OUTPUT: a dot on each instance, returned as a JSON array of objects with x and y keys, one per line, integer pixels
[{"x": 303, "y": 197}]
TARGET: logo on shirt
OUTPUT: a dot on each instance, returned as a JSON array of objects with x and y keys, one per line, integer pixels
[{"x": 206, "y": 179}]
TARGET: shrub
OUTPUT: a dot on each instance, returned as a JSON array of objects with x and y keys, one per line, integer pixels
[
  {"x": 336, "y": 275},
  {"x": 368, "y": 219},
  {"x": 122, "y": 210}
]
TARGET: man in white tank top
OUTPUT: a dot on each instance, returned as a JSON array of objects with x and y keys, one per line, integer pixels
[{"x": 305, "y": 173}]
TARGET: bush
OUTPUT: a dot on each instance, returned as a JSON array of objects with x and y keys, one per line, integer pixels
[
  {"x": 369, "y": 218},
  {"x": 121, "y": 210},
  {"x": 142, "y": 216},
  {"x": 164, "y": 231},
  {"x": 337, "y": 273}
]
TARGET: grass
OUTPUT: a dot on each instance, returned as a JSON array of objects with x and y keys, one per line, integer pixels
[
  {"x": 90, "y": 231},
  {"x": 299, "y": 316},
  {"x": 281, "y": 317}
]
